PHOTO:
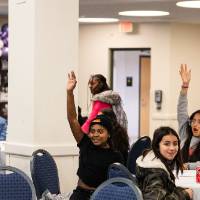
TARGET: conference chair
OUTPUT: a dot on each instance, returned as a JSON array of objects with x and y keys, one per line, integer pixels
[
  {"x": 15, "y": 185},
  {"x": 117, "y": 189},
  {"x": 44, "y": 173},
  {"x": 119, "y": 170},
  {"x": 136, "y": 150}
]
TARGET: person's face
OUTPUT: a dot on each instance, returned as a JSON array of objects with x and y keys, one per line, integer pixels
[
  {"x": 195, "y": 125},
  {"x": 93, "y": 85},
  {"x": 169, "y": 146},
  {"x": 99, "y": 135}
]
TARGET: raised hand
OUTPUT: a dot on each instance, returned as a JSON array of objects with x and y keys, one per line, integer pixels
[
  {"x": 185, "y": 75},
  {"x": 71, "y": 83}
]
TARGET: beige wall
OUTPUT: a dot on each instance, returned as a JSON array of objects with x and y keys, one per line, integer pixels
[
  {"x": 185, "y": 48},
  {"x": 171, "y": 44}
]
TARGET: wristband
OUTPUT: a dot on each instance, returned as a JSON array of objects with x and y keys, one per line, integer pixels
[{"x": 185, "y": 85}]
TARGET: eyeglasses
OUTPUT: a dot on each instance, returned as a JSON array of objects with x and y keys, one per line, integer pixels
[{"x": 194, "y": 121}]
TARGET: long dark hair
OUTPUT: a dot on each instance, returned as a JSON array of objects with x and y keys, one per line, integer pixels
[
  {"x": 120, "y": 139},
  {"x": 177, "y": 162},
  {"x": 185, "y": 149},
  {"x": 102, "y": 86}
]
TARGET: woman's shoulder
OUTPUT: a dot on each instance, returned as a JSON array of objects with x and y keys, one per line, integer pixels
[
  {"x": 152, "y": 172},
  {"x": 150, "y": 161},
  {"x": 85, "y": 141},
  {"x": 108, "y": 96}
]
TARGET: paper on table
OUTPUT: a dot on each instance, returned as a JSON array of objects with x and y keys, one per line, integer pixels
[{"x": 188, "y": 173}]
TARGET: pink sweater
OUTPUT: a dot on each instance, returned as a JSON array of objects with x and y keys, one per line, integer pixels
[{"x": 97, "y": 106}]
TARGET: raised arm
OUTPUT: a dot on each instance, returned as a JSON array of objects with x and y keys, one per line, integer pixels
[
  {"x": 182, "y": 108},
  {"x": 185, "y": 76},
  {"x": 71, "y": 110}
]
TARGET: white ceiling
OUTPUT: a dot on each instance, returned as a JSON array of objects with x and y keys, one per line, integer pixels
[{"x": 110, "y": 8}]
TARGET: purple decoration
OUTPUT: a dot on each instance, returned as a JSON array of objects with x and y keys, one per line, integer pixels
[
  {"x": 5, "y": 53},
  {"x": 1, "y": 44},
  {"x": 4, "y": 35},
  {"x": 4, "y": 28},
  {"x": 5, "y": 42}
]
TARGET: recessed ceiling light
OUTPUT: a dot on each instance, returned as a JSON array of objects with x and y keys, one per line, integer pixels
[
  {"x": 143, "y": 13},
  {"x": 189, "y": 4},
  {"x": 98, "y": 20}
]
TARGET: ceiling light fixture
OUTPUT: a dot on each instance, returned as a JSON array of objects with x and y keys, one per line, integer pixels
[
  {"x": 189, "y": 4},
  {"x": 97, "y": 20},
  {"x": 144, "y": 13}
]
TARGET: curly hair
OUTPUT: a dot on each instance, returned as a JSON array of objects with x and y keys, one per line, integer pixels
[{"x": 120, "y": 139}]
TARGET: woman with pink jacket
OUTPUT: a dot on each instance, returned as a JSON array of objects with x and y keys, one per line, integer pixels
[{"x": 103, "y": 97}]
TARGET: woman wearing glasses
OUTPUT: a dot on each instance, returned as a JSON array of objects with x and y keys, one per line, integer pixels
[{"x": 189, "y": 126}]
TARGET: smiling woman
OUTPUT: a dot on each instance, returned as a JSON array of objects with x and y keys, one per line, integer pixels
[
  {"x": 154, "y": 169},
  {"x": 96, "y": 152},
  {"x": 100, "y": 132},
  {"x": 169, "y": 147}
]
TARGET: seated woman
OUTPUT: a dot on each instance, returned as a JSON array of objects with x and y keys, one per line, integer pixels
[
  {"x": 154, "y": 168},
  {"x": 189, "y": 127},
  {"x": 96, "y": 152}
]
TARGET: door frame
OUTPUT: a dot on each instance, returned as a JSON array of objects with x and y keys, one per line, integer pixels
[
  {"x": 111, "y": 52},
  {"x": 140, "y": 61}
]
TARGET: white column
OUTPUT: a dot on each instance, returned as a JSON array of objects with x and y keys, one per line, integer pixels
[{"x": 43, "y": 39}]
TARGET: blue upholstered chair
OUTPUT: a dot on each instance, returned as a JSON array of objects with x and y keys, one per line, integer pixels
[
  {"x": 119, "y": 170},
  {"x": 117, "y": 189},
  {"x": 44, "y": 173},
  {"x": 136, "y": 150},
  {"x": 15, "y": 185}
]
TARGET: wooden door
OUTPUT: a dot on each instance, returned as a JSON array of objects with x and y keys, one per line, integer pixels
[{"x": 145, "y": 70}]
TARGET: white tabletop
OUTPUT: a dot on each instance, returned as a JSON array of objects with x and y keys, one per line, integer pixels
[{"x": 188, "y": 180}]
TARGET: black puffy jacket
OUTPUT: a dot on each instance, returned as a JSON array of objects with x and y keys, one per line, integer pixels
[{"x": 155, "y": 182}]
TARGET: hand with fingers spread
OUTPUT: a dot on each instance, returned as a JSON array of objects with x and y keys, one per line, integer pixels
[
  {"x": 71, "y": 83},
  {"x": 185, "y": 75}
]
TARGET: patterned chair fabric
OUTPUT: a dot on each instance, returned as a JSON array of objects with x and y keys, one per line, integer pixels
[
  {"x": 44, "y": 173},
  {"x": 119, "y": 170},
  {"x": 15, "y": 185},
  {"x": 136, "y": 150},
  {"x": 117, "y": 189}
]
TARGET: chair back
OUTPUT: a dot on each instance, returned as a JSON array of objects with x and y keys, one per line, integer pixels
[
  {"x": 119, "y": 170},
  {"x": 15, "y": 184},
  {"x": 136, "y": 150},
  {"x": 117, "y": 189},
  {"x": 44, "y": 173}
]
